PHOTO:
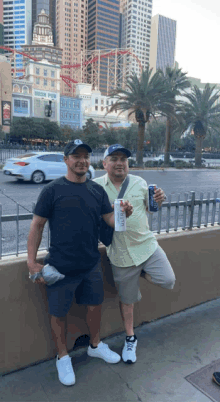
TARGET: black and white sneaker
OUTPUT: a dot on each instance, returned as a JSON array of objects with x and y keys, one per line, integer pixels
[
  {"x": 216, "y": 377},
  {"x": 129, "y": 350}
]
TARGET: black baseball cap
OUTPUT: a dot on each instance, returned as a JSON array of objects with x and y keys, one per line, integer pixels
[
  {"x": 72, "y": 146},
  {"x": 114, "y": 148}
]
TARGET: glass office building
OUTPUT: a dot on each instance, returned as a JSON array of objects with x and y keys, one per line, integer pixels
[
  {"x": 17, "y": 27},
  {"x": 103, "y": 31},
  {"x": 163, "y": 43},
  {"x": 166, "y": 43}
]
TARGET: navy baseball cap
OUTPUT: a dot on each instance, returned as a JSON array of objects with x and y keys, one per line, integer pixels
[
  {"x": 72, "y": 146},
  {"x": 114, "y": 148}
]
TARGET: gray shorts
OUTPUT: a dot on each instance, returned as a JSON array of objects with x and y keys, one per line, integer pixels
[{"x": 156, "y": 269}]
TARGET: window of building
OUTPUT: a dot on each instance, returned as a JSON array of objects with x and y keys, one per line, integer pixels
[
  {"x": 45, "y": 83},
  {"x": 37, "y": 71},
  {"x": 96, "y": 108},
  {"x": 16, "y": 103},
  {"x": 24, "y": 104},
  {"x": 25, "y": 90},
  {"x": 96, "y": 101},
  {"x": 53, "y": 84},
  {"x": 45, "y": 73},
  {"x": 16, "y": 88}
]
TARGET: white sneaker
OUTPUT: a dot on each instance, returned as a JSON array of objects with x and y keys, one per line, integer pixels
[
  {"x": 65, "y": 370},
  {"x": 103, "y": 352},
  {"x": 129, "y": 350}
]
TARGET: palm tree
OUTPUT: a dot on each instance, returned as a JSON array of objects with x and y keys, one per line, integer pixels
[
  {"x": 146, "y": 97},
  {"x": 176, "y": 82},
  {"x": 201, "y": 113}
]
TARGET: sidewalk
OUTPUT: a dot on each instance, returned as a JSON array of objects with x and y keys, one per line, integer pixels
[{"x": 169, "y": 349}]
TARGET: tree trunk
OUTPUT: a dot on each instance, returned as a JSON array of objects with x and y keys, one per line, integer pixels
[
  {"x": 198, "y": 153},
  {"x": 140, "y": 144},
  {"x": 167, "y": 144}
]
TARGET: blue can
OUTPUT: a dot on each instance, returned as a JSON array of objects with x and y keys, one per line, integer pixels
[{"x": 153, "y": 205}]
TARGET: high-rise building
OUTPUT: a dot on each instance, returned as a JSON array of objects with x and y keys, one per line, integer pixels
[
  {"x": 1, "y": 27},
  {"x": 136, "y": 31},
  {"x": 17, "y": 27},
  {"x": 103, "y": 32},
  {"x": 163, "y": 42},
  {"x": 50, "y": 9},
  {"x": 42, "y": 44},
  {"x": 71, "y": 36}
]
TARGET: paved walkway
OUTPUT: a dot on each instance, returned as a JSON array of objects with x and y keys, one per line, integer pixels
[{"x": 169, "y": 349}]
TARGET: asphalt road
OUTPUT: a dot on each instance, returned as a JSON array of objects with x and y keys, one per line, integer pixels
[{"x": 174, "y": 182}]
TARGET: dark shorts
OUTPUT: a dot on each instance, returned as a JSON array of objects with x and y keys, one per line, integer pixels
[{"x": 86, "y": 289}]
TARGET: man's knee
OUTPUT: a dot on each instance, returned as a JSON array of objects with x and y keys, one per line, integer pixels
[{"x": 167, "y": 282}]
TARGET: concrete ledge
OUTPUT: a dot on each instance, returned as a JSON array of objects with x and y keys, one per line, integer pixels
[{"x": 25, "y": 336}]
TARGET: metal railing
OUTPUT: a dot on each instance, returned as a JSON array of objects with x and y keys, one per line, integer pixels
[
  {"x": 190, "y": 210},
  {"x": 172, "y": 216}
]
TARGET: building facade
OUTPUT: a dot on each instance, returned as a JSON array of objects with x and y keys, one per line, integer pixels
[
  {"x": 22, "y": 98},
  {"x": 163, "y": 43},
  {"x": 5, "y": 94},
  {"x": 71, "y": 36},
  {"x": 136, "y": 31},
  {"x": 103, "y": 31},
  {"x": 1, "y": 27},
  {"x": 45, "y": 79},
  {"x": 42, "y": 46},
  {"x": 95, "y": 106},
  {"x": 17, "y": 28},
  {"x": 70, "y": 112}
]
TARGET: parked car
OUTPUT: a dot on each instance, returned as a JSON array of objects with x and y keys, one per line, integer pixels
[
  {"x": 39, "y": 166},
  {"x": 161, "y": 158}
]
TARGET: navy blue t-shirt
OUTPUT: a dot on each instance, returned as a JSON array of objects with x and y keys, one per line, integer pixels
[{"x": 73, "y": 211}]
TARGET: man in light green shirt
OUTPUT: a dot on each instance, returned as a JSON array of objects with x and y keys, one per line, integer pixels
[{"x": 136, "y": 251}]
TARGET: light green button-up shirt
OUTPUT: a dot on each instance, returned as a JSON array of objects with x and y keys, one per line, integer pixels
[{"x": 138, "y": 243}]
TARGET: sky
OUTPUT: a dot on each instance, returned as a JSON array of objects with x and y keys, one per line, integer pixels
[{"x": 198, "y": 34}]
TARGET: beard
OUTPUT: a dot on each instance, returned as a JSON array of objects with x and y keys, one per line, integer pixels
[{"x": 80, "y": 174}]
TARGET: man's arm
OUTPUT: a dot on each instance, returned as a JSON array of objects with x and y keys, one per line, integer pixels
[
  {"x": 34, "y": 240},
  {"x": 110, "y": 218}
]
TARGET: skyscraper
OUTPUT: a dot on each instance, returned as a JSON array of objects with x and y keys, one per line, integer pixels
[
  {"x": 163, "y": 42},
  {"x": 136, "y": 31},
  {"x": 42, "y": 44},
  {"x": 1, "y": 27},
  {"x": 103, "y": 31},
  {"x": 71, "y": 36},
  {"x": 17, "y": 26},
  {"x": 49, "y": 6}
]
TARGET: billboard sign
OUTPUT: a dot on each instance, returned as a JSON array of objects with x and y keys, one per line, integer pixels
[{"x": 6, "y": 113}]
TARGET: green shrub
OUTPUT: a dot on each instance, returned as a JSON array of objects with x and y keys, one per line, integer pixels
[
  {"x": 152, "y": 164},
  {"x": 180, "y": 164}
]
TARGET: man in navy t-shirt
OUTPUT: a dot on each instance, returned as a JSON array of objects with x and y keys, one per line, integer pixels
[{"x": 73, "y": 210}]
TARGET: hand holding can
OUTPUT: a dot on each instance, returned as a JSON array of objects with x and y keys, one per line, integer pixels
[
  {"x": 120, "y": 216},
  {"x": 153, "y": 205}
]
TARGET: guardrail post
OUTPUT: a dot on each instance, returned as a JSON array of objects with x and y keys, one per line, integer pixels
[{"x": 191, "y": 209}]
